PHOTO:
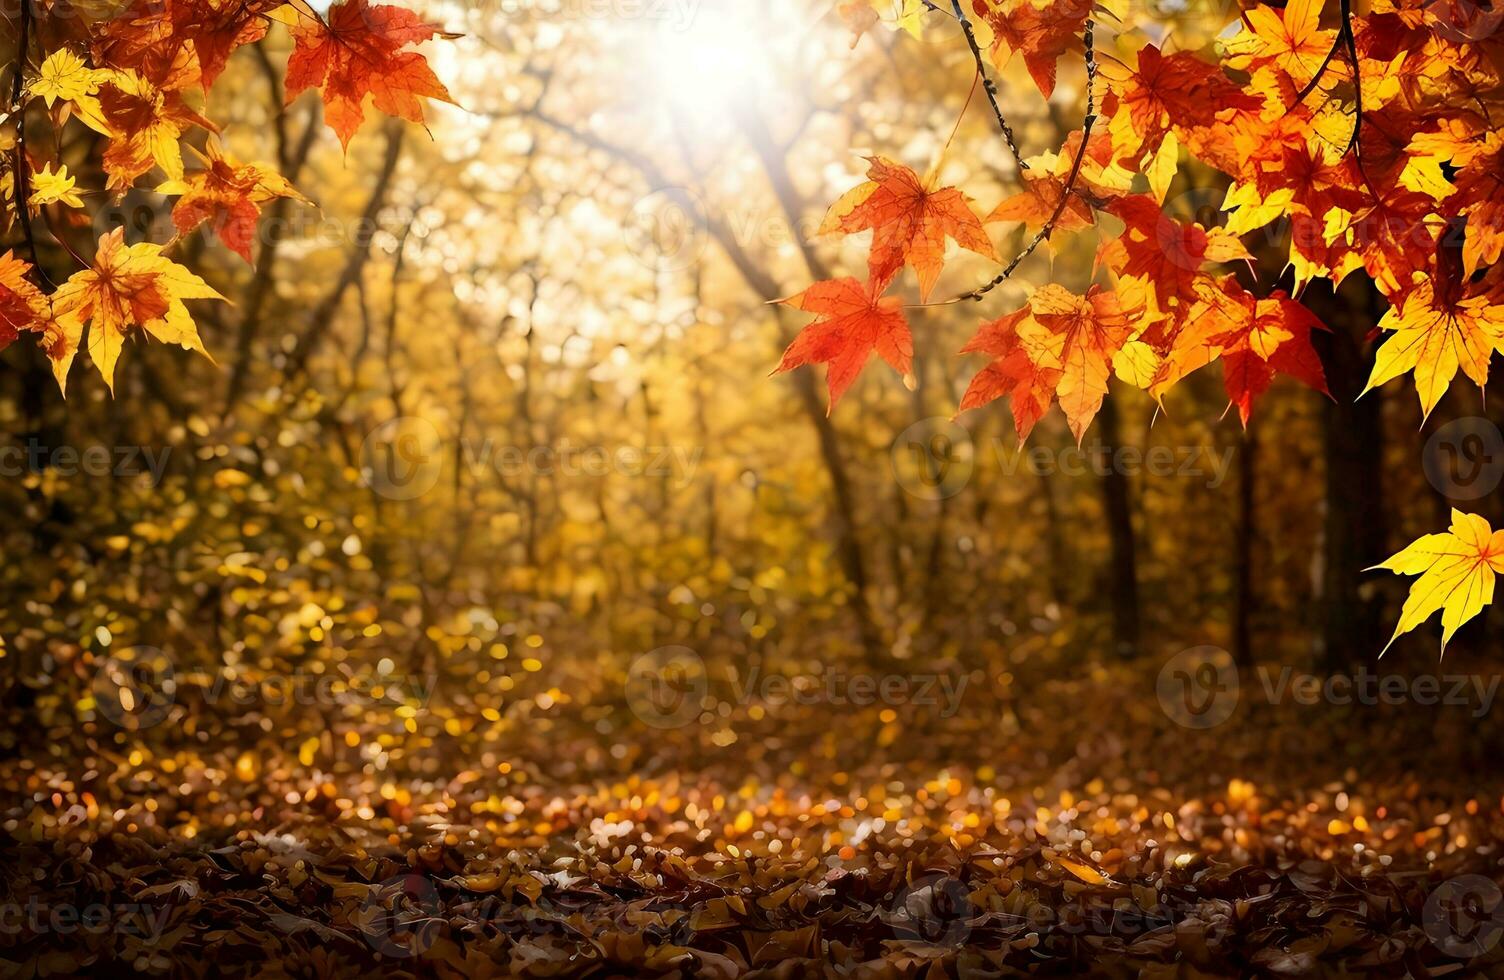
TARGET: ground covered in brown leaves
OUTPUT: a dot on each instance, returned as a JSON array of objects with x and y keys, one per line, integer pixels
[{"x": 1059, "y": 827}]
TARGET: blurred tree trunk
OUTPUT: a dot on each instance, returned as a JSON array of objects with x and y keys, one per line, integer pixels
[
  {"x": 1356, "y": 525},
  {"x": 1246, "y": 600},
  {"x": 1117, "y": 507}
]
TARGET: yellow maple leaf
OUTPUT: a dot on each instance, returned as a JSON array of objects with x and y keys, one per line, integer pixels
[
  {"x": 54, "y": 188},
  {"x": 66, "y": 77},
  {"x": 1456, "y": 572},
  {"x": 1434, "y": 337},
  {"x": 131, "y": 285}
]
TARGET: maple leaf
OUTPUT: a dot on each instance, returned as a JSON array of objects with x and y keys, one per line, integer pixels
[
  {"x": 65, "y": 76},
  {"x": 1166, "y": 255},
  {"x": 146, "y": 122},
  {"x": 358, "y": 51},
  {"x": 1041, "y": 34},
  {"x": 1256, "y": 340},
  {"x": 1025, "y": 367},
  {"x": 1092, "y": 329},
  {"x": 150, "y": 35},
  {"x": 228, "y": 195},
  {"x": 1290, "y": 41},
  {"x": 909, "y": 223},
  {"x": 853, "y": 320},
  {"x": 1045, "y": 182},
  {"x": 1177, "y": 92},
  {"x": 1456, "y": 570},
  {"x": 1059, "y": 344},
  {"x": 54, "y": 188},
  {"x": 1434, "y": 337},
  {"x": 22, "y": 305},
  {"x": 128, "y": 286},
  {"x": 1480, "y": 196}
]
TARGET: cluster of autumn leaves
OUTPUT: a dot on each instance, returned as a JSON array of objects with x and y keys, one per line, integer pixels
[
  {"x": 1375, "y": 139},
  {"x": 130, "y": 76}
]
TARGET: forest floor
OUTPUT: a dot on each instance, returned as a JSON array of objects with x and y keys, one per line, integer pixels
[{"x": 1077, "y": 828}]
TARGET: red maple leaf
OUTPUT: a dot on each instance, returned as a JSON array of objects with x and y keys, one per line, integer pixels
[
  {"x": 358, "y": 52},
  {"x": 909, "y": 223},
  {"x": 852, "y": 321}
]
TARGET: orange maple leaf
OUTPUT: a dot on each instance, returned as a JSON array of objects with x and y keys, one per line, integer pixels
[
  {"x": 128, "y": 286},
  {"x": 1041, "y": 34},
  {"x": 1069, "y": 343},
  {"x": 909, "y": 223},
  {"x": 1025, "y": 367},
  {"x": 150, "y": 35},
  {"x": 228, "y": 195},
  {"x": 1166, "y": 254},
  {"x": 22, "y": 305},
  {"x": 853, "y": 320},
  {"x": 357, "y": 52},
  {"x": 1256, "y": 339},
  {"x": 145, "y": 122}
]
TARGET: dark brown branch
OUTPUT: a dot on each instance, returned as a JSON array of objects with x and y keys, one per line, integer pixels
[
  {"x": 22, "y": 165},
  {"x": 1067, "y": 190},
  {"x": 989, "y": 84}
]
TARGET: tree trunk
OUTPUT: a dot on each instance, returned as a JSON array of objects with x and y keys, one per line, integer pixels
[
  {"x": 1117, "y": 507},
  {"x": 1352, "y": 625},
  {"x": 1246, "y": 600}
]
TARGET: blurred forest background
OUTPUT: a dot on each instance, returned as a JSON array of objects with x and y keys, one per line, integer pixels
[{"x": 552, "y": 317}]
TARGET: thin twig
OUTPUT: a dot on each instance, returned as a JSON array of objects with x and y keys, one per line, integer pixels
[
  {"x": 23, "y": 173},
  {"x": 1066, "y": 191},
  {"x": 989, "y": 84}
]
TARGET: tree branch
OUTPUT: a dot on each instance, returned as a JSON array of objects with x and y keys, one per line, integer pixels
[
  {"x": 989, "y": 84},
  {"x": 1069, "y": 188}
]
